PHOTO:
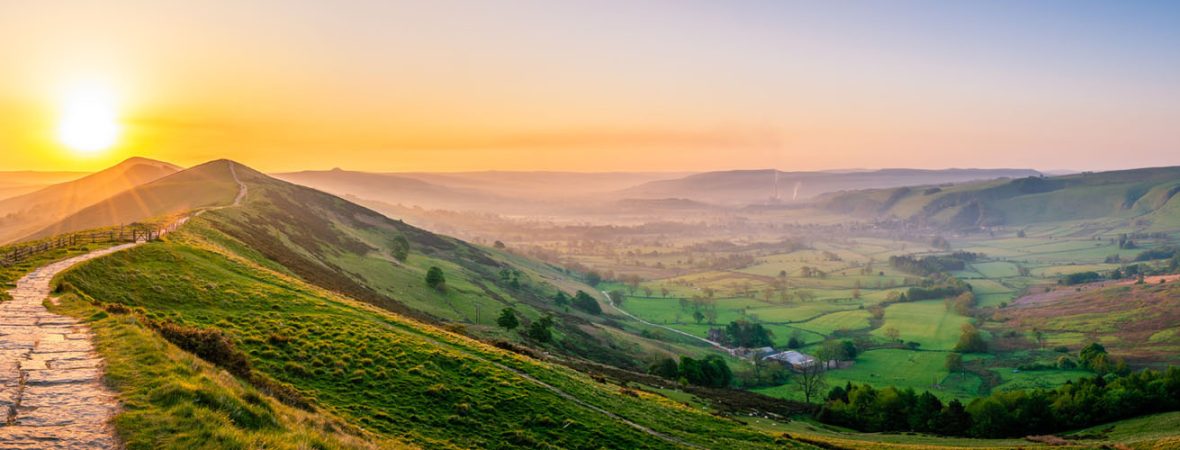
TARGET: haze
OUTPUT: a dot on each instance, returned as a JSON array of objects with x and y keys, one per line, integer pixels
[{"x": 601, "y": 86}]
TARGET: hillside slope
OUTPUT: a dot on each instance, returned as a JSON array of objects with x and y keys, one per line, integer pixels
[
  {"x": 346, "y": 248},
  {"x": 744, "y": 187},
  {"x": 25, "y": 214},
  {"x": 209, "y": 184},
  {"x": 399, "y": 379},
  {"x": 1148, "y": 195}
]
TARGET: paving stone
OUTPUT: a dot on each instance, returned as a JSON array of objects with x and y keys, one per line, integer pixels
[{"x": 51, "y": 394}]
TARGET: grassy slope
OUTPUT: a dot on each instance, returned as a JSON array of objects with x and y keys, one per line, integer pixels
[
  {"x": 346, "y": 248},
  {"x": 1118, "y": 194},
  {"x": 395, "y": 377}
]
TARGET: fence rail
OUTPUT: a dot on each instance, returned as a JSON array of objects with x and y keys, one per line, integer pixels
[{"x": 17, "y": 253}]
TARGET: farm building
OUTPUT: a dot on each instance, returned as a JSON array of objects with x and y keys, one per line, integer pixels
[{"x": 793, "y": 359}]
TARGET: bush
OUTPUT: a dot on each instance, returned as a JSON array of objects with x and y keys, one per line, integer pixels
[
  {"x": 209, "y": 344},
  {"x": 435, "y": 278}
]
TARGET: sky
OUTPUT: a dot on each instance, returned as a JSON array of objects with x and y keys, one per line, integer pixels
[{"x": 602, "y": 85}]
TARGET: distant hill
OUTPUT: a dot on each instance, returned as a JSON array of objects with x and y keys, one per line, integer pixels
[
  {"x": 498, "y": 192},
  {"x": 1146, "y": 195},
  {"x": 209, "y": 184},
  {"x": 540, "y": 185},
  {"x": 17, "y": 183},
  {"x": 25, "y": 214},
  {"x": 390, "y": 188},
  {"x": 745, "y": 187}
]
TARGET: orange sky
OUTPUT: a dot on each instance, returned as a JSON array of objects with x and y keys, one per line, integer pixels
[{"x": 532, "y": 85}]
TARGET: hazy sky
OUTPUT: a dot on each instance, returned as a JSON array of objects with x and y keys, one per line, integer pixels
[{"x": 601, "y": 85}]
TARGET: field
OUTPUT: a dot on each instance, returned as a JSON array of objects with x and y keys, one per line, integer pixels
[{"x": 827, "y": 290}]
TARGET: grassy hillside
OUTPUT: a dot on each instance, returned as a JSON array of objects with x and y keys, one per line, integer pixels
[
  {"x": 349, "y": 249},
  {"x": 400, "y": 380},
  {"x": 1146, "y": 195},
  {"x": 744, "y": 187}
]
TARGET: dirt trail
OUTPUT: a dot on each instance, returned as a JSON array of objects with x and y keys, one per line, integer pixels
[{"x": 612, "y": 304}]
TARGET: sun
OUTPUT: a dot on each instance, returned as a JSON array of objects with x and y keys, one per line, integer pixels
[{"x": 89, "y": 122}]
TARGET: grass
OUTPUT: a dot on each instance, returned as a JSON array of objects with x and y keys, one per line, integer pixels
[
  {"x": 925, "y": 322},
  {"x": 398, "y": 379},
  {"x": 172, "y": 399}
]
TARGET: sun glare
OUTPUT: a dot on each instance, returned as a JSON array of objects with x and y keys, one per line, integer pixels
[{"x": 89, "y": 122}]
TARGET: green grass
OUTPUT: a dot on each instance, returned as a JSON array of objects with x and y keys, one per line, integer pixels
[
  {"x": 925, "y": 322},
  {"x": 394, "y": 377},
  {"x": 171, "y": 399}
]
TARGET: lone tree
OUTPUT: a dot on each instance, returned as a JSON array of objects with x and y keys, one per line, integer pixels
[
  {"x": 435, "y": 279},
  {"x": 970, "y": 340},
  {"x": 812, "y": 380},
  {"x": 400, "y": 248},
  {"x": 507, "y": 319}
]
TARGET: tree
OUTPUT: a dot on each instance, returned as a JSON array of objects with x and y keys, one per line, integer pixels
[
  {"x": 954, "y": 362},
  {"x": 616, "y": 297},
  {"x": 593, "y": 278},
  {"x": 435, "y": 279},
  {"x": 745, "y": 334},
  {"x": 1089, "y": 355},
  {"x": 507, "y": 319},
  {"x": 893, "y": 334},
  {"x": 970, "y": 340},
  {"x": 560, "y": 299},
  {"x": 400, "y": 248},
  {"x": 585, "y": 302},
  {"x": 811, "y": 380},
  {"x": 540, "y": 331},
  {"x": 498, "y": 244},
  {"x": 666, "y": 368}
]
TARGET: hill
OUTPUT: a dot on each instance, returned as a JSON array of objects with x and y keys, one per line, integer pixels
[
  {"x": 396, "y": 189},
  {"x": 489, "y": 192},
  {"x": 1146, "y": 195},
  {"x": 17, "y": 183},
  {"x": 745, "y": 187},
  {"x": 349, "y": 249},
  {"x": 293, "y": 294},
  {"x": 25, "y": 214},
  {"x": 209, "y": 184}
]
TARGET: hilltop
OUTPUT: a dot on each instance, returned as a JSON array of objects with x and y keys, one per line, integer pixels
[
  {"x": 209, "y": 184},
  {"x": 28, "y": 213}
]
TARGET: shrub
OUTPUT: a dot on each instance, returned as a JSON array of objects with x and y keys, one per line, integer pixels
[{"x": 435, "y": 278}]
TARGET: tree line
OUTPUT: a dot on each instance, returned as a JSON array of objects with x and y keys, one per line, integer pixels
[{"x": 1077, "y": 404}]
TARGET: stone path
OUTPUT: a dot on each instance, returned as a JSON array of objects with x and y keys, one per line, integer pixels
[{"x": 51, "y": 390}]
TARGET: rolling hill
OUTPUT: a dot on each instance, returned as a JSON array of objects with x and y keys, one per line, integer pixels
[
  {"x": 17, "y": 183},
  {"x": 1147, "y": 196},
  {"x": 346, "y": 248},
  {"x": 311, "y": 307},
  {"x": 746, "y": 187},
  {"x": 206, "y": 185},
  {"x": 490, "y": 192},
  {"x": 26, "y": 214}
]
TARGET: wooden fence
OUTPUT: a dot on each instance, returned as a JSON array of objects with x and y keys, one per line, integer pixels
[{"x": 18, "y": 253}]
